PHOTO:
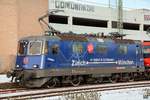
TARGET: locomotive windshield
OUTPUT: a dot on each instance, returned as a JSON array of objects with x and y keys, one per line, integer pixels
[
  {"x": 146, "y": 51},
  {"x": 35, "y": 48}
]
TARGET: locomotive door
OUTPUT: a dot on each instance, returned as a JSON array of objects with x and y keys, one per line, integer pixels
[
  {"x": 53, "y": 54},
  {"x": 138, "y": 56}
]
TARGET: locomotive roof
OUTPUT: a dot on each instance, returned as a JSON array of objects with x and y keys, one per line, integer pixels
[
  {"x": 82, "y": 38},
  {"x": 40, "y": 38}
]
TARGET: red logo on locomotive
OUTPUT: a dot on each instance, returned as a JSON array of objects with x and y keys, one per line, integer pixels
[
  {"x": 90, "y": 48},
  {"x": 25, "y": 60}
]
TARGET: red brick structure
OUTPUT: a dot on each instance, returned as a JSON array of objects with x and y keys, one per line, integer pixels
[{"x": 18, "y": 18}]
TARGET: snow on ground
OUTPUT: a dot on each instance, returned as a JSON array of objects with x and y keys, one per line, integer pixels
[
  {"x": 122, "y": 94},
  {"x": 3, "y": 78},
  {"x": 126, "y": 94}
]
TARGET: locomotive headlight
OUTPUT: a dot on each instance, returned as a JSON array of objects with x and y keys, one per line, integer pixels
[
  {"x": 35, "y": 66},
  {"x": 17, "y": 66}
]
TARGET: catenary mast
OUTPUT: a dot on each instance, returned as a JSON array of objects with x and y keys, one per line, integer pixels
[{"x": 120, "y": 16}]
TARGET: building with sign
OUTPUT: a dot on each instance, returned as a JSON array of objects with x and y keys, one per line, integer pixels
[
  {"x": 84, "y": 17},
  {"x": 19, "y": 18}
]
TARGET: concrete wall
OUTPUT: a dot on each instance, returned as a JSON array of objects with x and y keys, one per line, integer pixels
[
  {"x": 18, "y": 18},
  {"x": 102, "y": 13}
]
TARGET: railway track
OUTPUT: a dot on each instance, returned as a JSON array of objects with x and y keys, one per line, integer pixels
[
  {"x": 40, "y": 93},
  {"x": 8, "y": 87}
]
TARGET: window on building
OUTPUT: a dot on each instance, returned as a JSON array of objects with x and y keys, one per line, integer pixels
[
  {"x": 131, "y": 26},
  {"x": 89, "y": 22},
  {"x": 77, "y": 48},
  {"x": 58, "y": 19},
  {"x": 55, "y": 49},
  {"x": 122, "y": 49},
  {"x": 146, "y": 27}
]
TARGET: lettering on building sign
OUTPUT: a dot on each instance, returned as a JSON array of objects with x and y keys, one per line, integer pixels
[
  {"x": 147, "y": 17},
  {"x": 73, "y": 6}
]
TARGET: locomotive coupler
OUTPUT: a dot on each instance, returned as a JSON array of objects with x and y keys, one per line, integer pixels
[
  {"x": 11, "y": 74},
  {"x": 14, "y": 74}
]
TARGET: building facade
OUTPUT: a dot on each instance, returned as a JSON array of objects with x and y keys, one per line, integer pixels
[
  {"x": 19, "y": 18},
  {"x": 81, "y": 17}
]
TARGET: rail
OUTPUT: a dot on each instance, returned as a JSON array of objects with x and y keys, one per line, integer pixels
[{"x": 40, "y": 93}]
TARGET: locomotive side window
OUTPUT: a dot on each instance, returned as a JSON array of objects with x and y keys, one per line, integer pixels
[
  {"x": 54, "y": 49},
  {"x": 22, "y": 46},
  {"x": 101, "y": 48},
  {"x": 21, "y": 49},
  {"x": 122, "y": 49},
  {"x": 35, "y": 47},
  {"x": 77, "y": 48}
]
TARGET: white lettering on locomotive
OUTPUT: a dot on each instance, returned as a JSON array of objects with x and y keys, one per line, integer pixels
[{"x": 125, "y": 62}]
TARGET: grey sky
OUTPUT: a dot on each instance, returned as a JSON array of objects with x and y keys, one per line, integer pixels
[{"x": 127, "y": 3}]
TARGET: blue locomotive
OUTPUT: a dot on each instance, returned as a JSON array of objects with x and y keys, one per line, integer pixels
[
  {"x": 48, "y": 60},
  {"x": 55, "y": 59}
]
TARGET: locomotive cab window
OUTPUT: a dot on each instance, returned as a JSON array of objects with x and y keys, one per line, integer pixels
[
  {"x": 122, "y": 49},
  {"x": 35, "y": 48},
  {"x": 54, "y": 49}
]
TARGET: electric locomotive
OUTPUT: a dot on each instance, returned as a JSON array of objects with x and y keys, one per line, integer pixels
[
  {"x": 59, "y": 58},
  {"x": 75, "y": 58}
]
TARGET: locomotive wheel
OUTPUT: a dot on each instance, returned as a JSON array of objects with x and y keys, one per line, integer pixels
[
  {"x": 113, "y": 79},
  {"x": 132, "y": 77},
  {"x": 75, "y": 81},
  {"x": 51, "y": 83},
  {"x": 100, "y": 80}
]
